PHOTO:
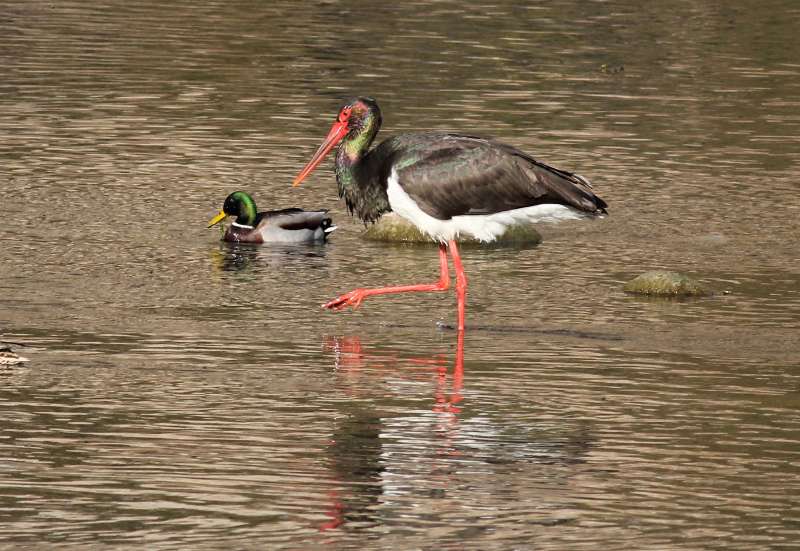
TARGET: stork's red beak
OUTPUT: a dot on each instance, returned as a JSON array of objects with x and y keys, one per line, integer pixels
[{"x": 338, "y": 131}]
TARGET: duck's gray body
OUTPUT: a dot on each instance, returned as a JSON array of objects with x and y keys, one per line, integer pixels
[{"x": 283, "y": 226}]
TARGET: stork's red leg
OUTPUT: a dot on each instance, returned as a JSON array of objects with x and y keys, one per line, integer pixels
[
  {"x": 355, "y": 297},
  {"x": 461, "y": 284}
]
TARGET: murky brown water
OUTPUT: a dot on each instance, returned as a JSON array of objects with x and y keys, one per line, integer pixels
[{"x": 187, "y": 394}]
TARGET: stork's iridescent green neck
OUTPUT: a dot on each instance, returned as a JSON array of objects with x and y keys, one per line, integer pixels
[
  {"x": 363, "y": 126},
  {"x": 362, "y": 194},
  {"x": 354, "y": 130}
]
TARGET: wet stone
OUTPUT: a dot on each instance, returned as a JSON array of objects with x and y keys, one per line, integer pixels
[
  {"x": 666, "y": 284},
  {"x": 392, "y": 228}
]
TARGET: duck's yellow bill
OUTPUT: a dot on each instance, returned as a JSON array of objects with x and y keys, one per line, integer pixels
[{"x": 217, "y": 219}]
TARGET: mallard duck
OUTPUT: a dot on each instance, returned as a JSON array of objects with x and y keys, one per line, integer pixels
[
  {"x": 8, "y": 357},
  {"x": 276, "y": 226}
]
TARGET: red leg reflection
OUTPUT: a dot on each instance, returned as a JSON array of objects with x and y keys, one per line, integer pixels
[
  {"x": 347, "y": 349},
  {"x": 458, "y": 370},
  {"x": 445, "y": 403},
  {"x": 352, "y": 358},
  {"x": 356, "y": 297},
  {"x": 336, "y": 513}
]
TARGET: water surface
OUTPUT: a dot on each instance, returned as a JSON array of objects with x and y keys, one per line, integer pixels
[{"x": 186, "y": 393}]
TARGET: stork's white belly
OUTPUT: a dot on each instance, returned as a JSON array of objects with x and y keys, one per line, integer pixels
[{"x": 485, "y": 227}]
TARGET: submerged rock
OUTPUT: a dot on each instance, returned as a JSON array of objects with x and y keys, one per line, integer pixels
[
  {"x": 714, "y": 239},
  {"x": 9, "y": 357},
  {"x": 666, "y": 284},
  {"x": 392, "y": 228}
]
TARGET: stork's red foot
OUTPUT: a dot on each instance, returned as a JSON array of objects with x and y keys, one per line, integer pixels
[{"x": 353, "y": 298}]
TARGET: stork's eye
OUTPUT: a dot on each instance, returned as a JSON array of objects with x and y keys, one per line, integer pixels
[{"x": 344, "y": 114}]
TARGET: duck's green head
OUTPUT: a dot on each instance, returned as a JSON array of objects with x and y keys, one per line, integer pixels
[{"x": 240, "y": 205}]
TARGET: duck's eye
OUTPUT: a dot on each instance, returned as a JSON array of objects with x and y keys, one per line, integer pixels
[{"x": 344, "y": 115}]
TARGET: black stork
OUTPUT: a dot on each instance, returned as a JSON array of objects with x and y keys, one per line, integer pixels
[{"x": 445, "y": 184}]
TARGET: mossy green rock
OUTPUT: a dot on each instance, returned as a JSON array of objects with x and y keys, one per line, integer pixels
[
  {"x": 666, "y": 284},
  {"x": 392, "y": 228}
]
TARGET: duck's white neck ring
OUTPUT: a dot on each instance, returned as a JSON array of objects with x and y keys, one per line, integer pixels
[{"x": 243, "y": 226}]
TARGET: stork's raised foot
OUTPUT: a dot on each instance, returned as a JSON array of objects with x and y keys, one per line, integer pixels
[{"x": 354, "y": 298}]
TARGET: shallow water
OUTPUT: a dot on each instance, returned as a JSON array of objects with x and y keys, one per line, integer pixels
[{"x": 186, "y": 393}]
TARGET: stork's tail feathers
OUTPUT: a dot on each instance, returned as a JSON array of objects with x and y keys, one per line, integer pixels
[{"x": 585, "y": 181}]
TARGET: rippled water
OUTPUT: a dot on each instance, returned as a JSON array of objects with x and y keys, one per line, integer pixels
[{"x": 183, "y": 393}]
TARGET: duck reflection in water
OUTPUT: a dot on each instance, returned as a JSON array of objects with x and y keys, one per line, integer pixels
[
  {"x": 356, "y": 453},
  {"x": 237, "y": 257}
]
